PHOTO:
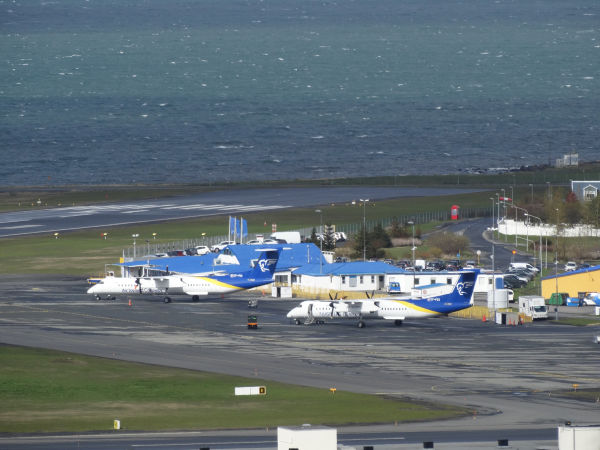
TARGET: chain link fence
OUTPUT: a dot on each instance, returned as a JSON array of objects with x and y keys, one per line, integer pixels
[{"x": 148, "y": 248}]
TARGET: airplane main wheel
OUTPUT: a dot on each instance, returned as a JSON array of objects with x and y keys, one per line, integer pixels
[
  {"x": 398, "y": 323},
  {"x": 297, "y": 321},
  {"x": 361, "y": 324},
  {"x": 195, "y": 298},
  {"x": 167, "y": 300}
]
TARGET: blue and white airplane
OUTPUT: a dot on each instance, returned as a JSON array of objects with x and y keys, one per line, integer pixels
[
  {"x": 192, "y": 285},
  {"x": 425, "y": 301}
]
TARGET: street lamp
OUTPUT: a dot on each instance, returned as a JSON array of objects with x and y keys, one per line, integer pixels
[
  {"x": 364, "y": 228},
  {"x": 321, "y": 240},
  {"x": 526, "y": 228},
  {"x": 412, "y": 223},
  {"x": 529, "y": 215},
  {"x": 504, "y": 210},
  {"x": 134, "y": 236},
  {"x": 492, "y": 199},
  {"x": 531, "y": 186}
]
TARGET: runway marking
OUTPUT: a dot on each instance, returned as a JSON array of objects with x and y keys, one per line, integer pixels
[
  {"x": 135, "y": 211},
  {"x": 19, "y": 227}
]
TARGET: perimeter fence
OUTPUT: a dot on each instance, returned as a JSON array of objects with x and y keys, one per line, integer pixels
[{"x": 151, "y": 247}]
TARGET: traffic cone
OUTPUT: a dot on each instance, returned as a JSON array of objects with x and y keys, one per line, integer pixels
[
  {"x": 483, "y": 318},
  {"x": 129, "y": 302}
]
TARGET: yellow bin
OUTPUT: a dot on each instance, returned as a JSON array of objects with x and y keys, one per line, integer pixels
[{"x": 117, "y": 424}]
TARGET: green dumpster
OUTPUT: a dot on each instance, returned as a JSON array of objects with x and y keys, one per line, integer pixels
[{"x": 559, "y": 298}]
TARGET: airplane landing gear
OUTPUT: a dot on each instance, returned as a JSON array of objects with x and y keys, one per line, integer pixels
[
  {"x": 167, "y": 299},
  {"x": 195, "y": 298},
  {"x": 398, "y": 322},
  {"x": 361, "y": 324}
]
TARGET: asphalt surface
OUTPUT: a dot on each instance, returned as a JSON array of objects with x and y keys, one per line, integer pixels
[
  {"x": 226, "y": 202},
  {"x": 506, "y": 375}
]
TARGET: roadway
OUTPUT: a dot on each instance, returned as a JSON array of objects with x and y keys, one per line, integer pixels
[
  {"x": 504, "y": 374},
  {"x": 226, "y": 202}
]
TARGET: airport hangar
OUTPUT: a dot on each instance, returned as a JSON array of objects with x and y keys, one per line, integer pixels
[
  {"x": 576, "y": 283},
  {"x": 307, "y": 271}
]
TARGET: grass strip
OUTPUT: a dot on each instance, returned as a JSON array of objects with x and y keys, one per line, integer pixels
[
  {"x": 51, "y": 391},
  {"x": 578, "y": 321},
  {"x": 86, "y": 252}
]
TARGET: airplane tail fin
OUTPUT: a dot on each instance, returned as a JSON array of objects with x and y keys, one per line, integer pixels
[
  {"x": 463, "y": 290},
  {"x": 266, "y": 264}
]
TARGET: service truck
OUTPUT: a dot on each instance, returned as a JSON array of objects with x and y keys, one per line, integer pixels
[
  {"x": 291, "y": 237},
  {"x": 533, "y": 306}
]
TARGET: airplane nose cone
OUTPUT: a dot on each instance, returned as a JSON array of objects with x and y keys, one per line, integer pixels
[
  {"x": 292, "y": 313},
  {"x": 91, "y": 290}
]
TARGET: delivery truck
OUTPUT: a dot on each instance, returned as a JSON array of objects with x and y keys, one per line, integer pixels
[{"x": 533, "y": 306}]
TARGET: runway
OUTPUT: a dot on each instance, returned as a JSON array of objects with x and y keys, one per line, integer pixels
[
  {"x": 504, "y": 374},
  {"x": 225, "y": 202}
]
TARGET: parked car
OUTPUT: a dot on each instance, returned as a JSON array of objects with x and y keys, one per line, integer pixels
[
  {"x": 524, "y": 273},
  {"x": 571, "y": 265},
  {"x": 202, "y": 249},
  {"x": 512, "y": 281},
  {"x": 591, "y": 299},
  {"x": 221, "y": 245}
]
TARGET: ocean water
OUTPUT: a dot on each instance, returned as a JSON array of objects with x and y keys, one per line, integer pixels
[{"x": 163, "y": 91}]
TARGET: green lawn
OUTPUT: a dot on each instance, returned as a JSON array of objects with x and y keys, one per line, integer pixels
[{"x": 50, "y": 391}]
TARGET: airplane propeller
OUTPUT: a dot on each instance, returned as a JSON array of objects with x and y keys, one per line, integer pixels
[
  {"x": 334, "y": 297},
  {"x": 332, "y": 306},
  {"x": 139, "y": 284},
  {"x": 370, "y": 296}
]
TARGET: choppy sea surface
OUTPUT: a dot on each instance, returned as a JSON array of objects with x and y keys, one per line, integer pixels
[{"x": 123, "y": 91}]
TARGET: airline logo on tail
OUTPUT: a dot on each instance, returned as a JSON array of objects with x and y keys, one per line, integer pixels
[{"x": 465, "y": 288}]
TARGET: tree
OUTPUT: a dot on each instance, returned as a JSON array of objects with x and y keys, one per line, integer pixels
[
  {"x": 313, "y": 237},
  {"x": 328, "y": 238},
  {"x": 376, "y": 240},
  {"x": 397, "y": 230},
  {"x": 573, "y": 209}
]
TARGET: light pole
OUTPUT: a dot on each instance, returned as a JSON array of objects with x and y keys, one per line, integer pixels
[
  {"x": 531, "y": 186},
  {"x": 498, "y": 215},
  {"x": 321, "y": 240},
  {"x": 364, "y": 228},
  {"x": 134, "y": 236},
  {"x": 504, "y": 210},
  {"x": 412, "y": 223},
  {"x": 556, "y": 263},
  {"x": 526, "y": 228},
  {"x": 493, "y": 258},
  {"x": 529, "y": 215},
  {"x": 492, "y": 199}
]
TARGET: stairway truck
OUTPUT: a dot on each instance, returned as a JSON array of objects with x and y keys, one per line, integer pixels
[{"x": 533, "y": 306}]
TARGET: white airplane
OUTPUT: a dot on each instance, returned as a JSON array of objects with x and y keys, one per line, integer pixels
[
  {"x": 194, "y": 286},
  {"x": 426, "y": 301}
]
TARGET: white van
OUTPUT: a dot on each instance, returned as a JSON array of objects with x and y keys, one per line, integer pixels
[{"x": 523, "y": 265}]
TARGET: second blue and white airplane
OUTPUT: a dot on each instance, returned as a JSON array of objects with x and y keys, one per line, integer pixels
[
  {"x": 425, "y": 301},
  {"x": 191, "y": 285}
]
